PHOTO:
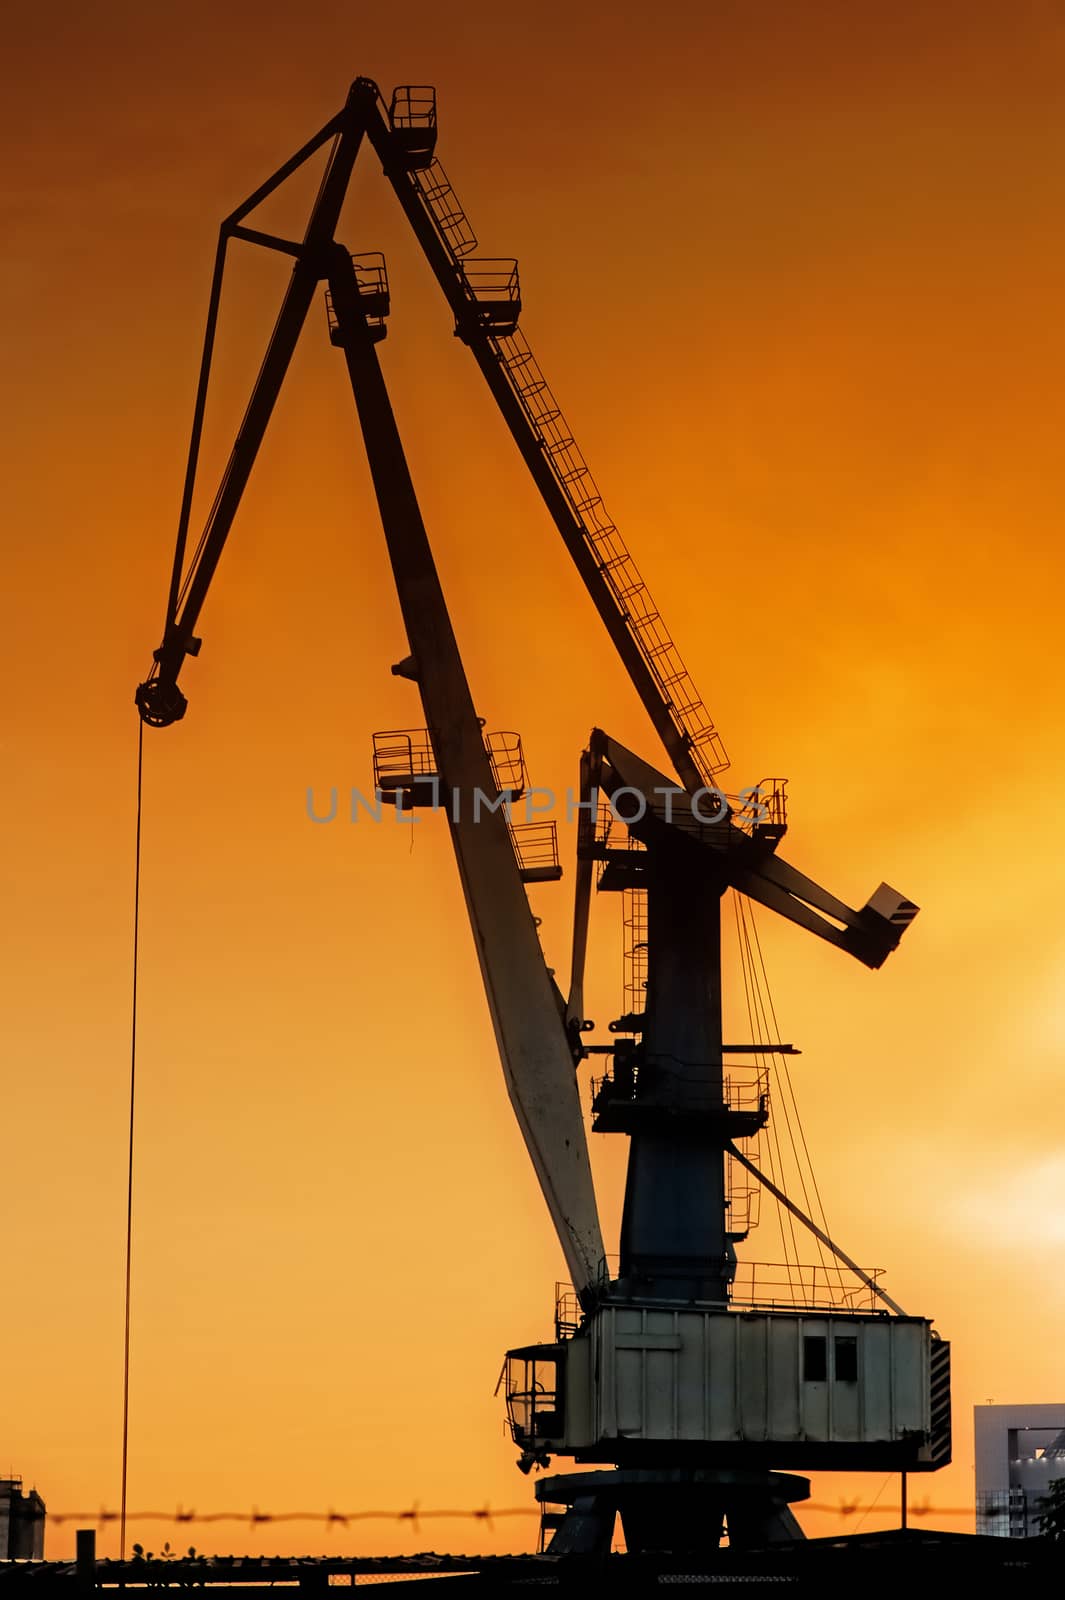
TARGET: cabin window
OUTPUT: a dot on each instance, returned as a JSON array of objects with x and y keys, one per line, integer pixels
[
  {"x": 533, "y": 1393},
  {"x": 814, "y": 1359},
  {"x": 845, "y": 1353}
]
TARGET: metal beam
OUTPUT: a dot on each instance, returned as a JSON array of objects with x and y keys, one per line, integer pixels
[
  {"x": 189, "y": 591},
  {"x": 818, "y": 1233},
  {"x": 523, "y": 1000}
]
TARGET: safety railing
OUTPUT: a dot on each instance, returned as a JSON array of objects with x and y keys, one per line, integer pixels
[
  {"x": 787, "y": 1286},
  {"x": 371, "y": 277},
  {"x": 494, "y": 288},
  {"x": 743, "y": 1193},
  {"x": 568, "y": 1313},
  {"x": 508, "y": 763},
  {"x": 762, "y": 811},
  {"x": 662, "y": 1080},
  {"x": 413, "y": 106},
  {"x": 828, "y": 1289},
  {"x": 405, "y": 755},
  {"x": 400, "y": 755},
  {"x": 536, "y": 847},
  {"x": 412, "y": 118}
]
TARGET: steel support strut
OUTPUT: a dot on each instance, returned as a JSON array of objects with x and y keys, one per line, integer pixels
[{"x": 159, "y": 700}]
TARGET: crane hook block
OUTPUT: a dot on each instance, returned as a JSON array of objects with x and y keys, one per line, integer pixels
[{"x": 159, "y": 703}]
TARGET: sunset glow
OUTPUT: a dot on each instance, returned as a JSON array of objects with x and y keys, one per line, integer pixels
[{"x": 795, "y": 275}]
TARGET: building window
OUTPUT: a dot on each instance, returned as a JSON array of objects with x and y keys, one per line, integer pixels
[
  {"x": 845, "y": 1355},
  {"x": 814, "y": 1359}
]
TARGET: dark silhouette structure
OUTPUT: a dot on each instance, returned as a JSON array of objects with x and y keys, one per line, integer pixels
[
  {"x": 22, "y": 1516},
  {"x": 689, "y": 1393}
]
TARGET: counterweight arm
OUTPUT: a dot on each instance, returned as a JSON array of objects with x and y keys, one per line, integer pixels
[{"x": 746, "y": 863}]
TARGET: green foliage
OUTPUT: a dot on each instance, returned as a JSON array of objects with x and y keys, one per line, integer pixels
[
  {"x": 165, "y": 1554},
  {"x": 154, "y": 1575},
  {"x": 1052, "y": 1514}
]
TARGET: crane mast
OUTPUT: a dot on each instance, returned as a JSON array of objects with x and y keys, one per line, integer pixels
[{"x": 692, "y": 1400}]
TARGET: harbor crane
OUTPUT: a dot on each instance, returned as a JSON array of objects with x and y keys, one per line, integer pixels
[{"x": 685, "y": 1396}]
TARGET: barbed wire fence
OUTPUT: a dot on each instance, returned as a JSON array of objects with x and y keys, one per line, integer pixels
[{"x": 416, "y": 1514}]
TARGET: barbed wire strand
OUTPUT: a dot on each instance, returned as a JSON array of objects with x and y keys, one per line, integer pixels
[{"x": 485, "y": 1513}]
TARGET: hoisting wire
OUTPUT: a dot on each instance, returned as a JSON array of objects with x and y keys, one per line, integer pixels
[
  {"x": 129, "y": 1165},
  {"x": 786, "y": 1073},
  {"x": 756, "y": 1027},
  {"x": 752, "y": 1030},
  {"x": 767, "y": 1021},
  {"x": 820, "y": 1234},
  {"x": 760, "y": 1001},
  {"x": 758, "y": 1030}
]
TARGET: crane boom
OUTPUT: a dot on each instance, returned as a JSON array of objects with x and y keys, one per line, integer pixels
[
  {"x": 524, "y": 1004},
  {"x": 526, "y": 1008},
  {"x": 485, "y": 300},
  {"x": 554, "y": 460},
  {"x": 404, "y": 138}
]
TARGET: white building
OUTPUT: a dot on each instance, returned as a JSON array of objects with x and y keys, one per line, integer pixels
[
  {"x": 1020, "y": 1450},
  {"x": 21, "y": 1522}
]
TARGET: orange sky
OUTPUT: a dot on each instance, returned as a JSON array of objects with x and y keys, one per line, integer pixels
[{"x": 795, "y": 274}]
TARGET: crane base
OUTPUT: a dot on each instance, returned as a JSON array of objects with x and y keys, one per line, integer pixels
[{"x": 670, "y": 1509}]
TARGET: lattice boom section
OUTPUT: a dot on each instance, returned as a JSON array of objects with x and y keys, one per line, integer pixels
[
  {"x": 619, "y": 570},
  {"x": 571, "y": 471}
]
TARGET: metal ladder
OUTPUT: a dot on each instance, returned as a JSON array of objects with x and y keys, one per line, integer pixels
[{"x": 573, "y": 476}]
